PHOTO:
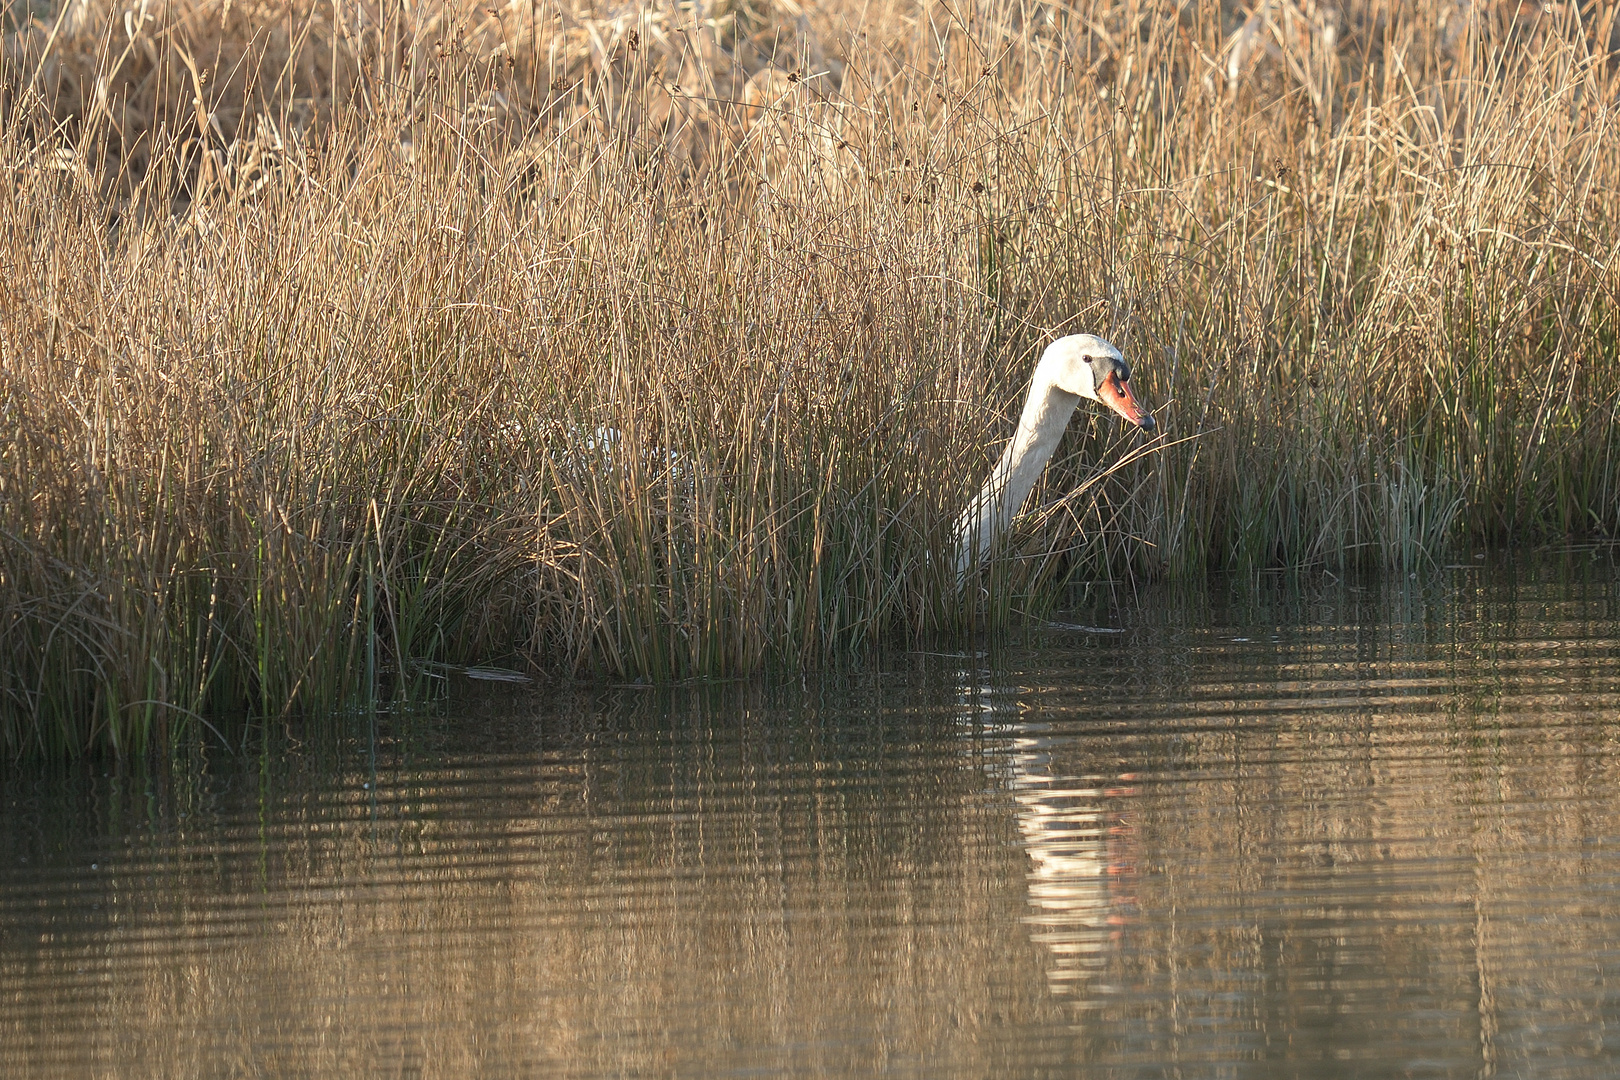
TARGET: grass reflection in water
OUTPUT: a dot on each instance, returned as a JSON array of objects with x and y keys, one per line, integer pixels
[{"x": 1333, "y": 831}]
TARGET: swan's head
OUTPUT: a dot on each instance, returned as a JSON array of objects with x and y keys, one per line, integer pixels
[{"x": 1086, "y": 365}]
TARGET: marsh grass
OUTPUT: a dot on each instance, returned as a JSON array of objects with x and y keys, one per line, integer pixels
[{"x": 342, "y": 346}]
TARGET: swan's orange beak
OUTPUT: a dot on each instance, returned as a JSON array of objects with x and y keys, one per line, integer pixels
[{"x": 1117, "y": 396}]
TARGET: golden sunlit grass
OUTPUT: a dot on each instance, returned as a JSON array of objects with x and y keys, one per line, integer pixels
[{"x": 342, "y": 346}]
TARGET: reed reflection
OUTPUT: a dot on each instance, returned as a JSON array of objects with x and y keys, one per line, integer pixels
[{"x": 1364, "y": 836}]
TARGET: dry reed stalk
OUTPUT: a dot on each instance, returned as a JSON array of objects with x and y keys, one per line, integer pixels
[{"x": 347, "y": 343}]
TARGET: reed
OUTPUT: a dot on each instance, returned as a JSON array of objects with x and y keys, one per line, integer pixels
[{"x": 345, "y": 344}]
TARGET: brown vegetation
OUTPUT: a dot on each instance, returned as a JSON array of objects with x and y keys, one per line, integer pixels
[{"x": 344, "y": 344}]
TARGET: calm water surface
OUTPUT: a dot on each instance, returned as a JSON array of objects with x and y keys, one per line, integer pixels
[{"x": 1327, "y": 831}]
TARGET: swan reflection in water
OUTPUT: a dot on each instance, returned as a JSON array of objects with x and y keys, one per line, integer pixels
[{"x": 1076, "y": 831}]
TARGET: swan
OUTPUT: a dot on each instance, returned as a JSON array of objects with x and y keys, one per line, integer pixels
[{"x": 1071, "y": 368}]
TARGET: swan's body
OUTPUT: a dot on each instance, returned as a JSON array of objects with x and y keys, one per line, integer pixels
[{"x": 1071, "y": 368}]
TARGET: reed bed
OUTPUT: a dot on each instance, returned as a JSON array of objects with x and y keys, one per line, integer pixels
[{"x": 346, "y": 345}]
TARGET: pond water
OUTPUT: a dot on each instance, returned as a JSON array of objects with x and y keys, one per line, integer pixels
[{"x": 1331, "y": 829}]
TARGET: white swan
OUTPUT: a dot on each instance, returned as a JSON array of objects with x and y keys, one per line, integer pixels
[{"x": 1071, "y": 368}]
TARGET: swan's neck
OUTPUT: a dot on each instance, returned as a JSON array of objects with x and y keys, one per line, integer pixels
[{"x": 1046, "y": 414}]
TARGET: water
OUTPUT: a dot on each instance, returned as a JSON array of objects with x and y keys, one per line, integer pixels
[{"x": 1319, "y": 831}]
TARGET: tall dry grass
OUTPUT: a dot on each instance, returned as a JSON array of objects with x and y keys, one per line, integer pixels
[{"x": 346, "y": 344}]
